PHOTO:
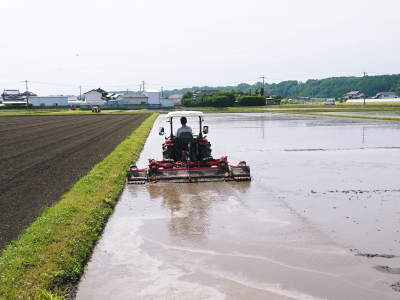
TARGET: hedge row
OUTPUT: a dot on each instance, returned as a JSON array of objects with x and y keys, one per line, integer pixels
[
  {"x": 251, "y": 101},
  {"x": 217, "y": 100}
]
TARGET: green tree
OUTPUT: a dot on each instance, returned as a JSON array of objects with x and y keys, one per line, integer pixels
[{"x": 187, "y": 95}]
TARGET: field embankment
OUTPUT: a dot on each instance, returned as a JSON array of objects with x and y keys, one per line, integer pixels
[
  {"x": 50, "y": 256},
  {"x": 331, "y": 113},
  {"x": 292, "y": 108},
  {"x": 65, "y": 112}
]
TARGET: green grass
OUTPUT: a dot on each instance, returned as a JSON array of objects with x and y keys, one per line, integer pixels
[
  {"x": 236, "y": 109},
  {"x": 344, "y": 104},
  {"x": 261, "y": 109},
  {"x": 67, "y": 112},
  {"x": 312, "y": 113},
  {"x": 316, "y": 110},
  {"x": 49, "y": 258},
  {"x": 358, "y": 117},
  {"x": 290, "y": 108},
  {"x": 343, "y": 107}
]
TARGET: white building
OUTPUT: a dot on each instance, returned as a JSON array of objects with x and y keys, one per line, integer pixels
[
  {"x": 134, "y": 99},
  {"x": 95, "y": 97},
  {"x": 369, "y": 100},
  {"x": 386, "y": 95},
  {"x": 354, "y": 95},
  {"x": 167, "y": 103},
  {"x": 13, "y": 97},
  {"x": 52, "y": 101},
  {"x": 177, "y": 98},
  {"x": 154, "y": 97}
]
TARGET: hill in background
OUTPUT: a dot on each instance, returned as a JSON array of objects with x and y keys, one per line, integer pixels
[{"x": 333, "y": 87}]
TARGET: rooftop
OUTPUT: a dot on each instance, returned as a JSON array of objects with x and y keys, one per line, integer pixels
[{"x": 184, "y": 113}]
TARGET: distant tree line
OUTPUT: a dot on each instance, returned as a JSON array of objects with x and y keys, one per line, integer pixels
[
  {"x": 334, "y": 87},
  {"x": 222, "y": 99}
]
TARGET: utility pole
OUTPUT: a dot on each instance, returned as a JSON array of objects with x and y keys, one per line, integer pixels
[
  {"x": 263, "y": 86},
  {"x": 80, "y": 93},
  {"x": 27, "y": 95},
  {"x": 143, "y": 86},
  {"x": 364, "y": 75}
]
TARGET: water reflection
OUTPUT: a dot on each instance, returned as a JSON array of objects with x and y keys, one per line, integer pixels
[{"x": 190, "y": 205}]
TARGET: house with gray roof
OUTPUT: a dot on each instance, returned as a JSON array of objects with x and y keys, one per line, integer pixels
[
  {"x": 386, "y": 95},
  {"x": 354, "y": 95}
]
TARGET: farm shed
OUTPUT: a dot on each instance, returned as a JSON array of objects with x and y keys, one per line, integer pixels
[
  {"x": 46, "y": 101},
  {"x": 95, "y": 97},
  {"x": 154, "y": 96},
  {"x": 135, "y": 99}
]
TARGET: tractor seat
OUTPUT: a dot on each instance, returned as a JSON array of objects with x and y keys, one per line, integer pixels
[
  {"x": 185, "y": 138},
  {"x": 184, "y": 143}
]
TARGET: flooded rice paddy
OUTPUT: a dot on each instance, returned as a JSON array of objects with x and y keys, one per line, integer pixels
[{"x": 319, "y": 220}]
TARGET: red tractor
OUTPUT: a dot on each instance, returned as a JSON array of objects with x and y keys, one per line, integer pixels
[{"x": 187, "y": 158}]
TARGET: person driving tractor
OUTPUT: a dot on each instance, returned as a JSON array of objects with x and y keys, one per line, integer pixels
[
  {"x": 183, "y": 128},
  {"x": 187, "y": 158}
]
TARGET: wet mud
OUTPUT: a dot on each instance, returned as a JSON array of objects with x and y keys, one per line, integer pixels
[
  {"x": 287, "y": 234},
  {"x": 387, "y": 269},
  {"x": 396, "y": 286}
]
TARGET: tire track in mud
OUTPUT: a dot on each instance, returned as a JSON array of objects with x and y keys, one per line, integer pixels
[{"x": 39, "y": 163}]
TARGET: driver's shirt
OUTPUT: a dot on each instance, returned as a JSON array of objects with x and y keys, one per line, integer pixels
[{"x": 184, "y": 128}]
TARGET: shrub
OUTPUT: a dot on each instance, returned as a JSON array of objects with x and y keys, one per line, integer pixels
[
  {"x": 187, "y": 102},
  {"x": 230, "y": 95},
  {"x": 218, "y": 100},
  {"x": 187, "y": 95},
  {"x": 222, "y": 101},
  {"x": 252, "y": 101}
]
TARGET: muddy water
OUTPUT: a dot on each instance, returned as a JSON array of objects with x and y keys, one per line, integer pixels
[{"x": 323, "y": 191}]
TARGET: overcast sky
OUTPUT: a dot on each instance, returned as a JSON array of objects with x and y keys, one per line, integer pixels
[{"x": 59, "y": 45}]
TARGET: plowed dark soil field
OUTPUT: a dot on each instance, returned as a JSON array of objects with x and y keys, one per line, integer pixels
[{"x": 41, "y": 157}]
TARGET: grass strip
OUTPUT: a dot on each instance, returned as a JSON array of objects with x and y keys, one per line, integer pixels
[
  {"x": 359, "y": 117},
  {"x": 360, "y": 109},
  {"x": 69, "y": 113},
  {"x": 286, "y": 108},
  {"x": 105, "y": 112},
  {"x": 236, "y": 109},
  {"x": 47, "y": 261},
  {"x": 338, "y": 104},
  {"x": 339, "y": 116}
]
